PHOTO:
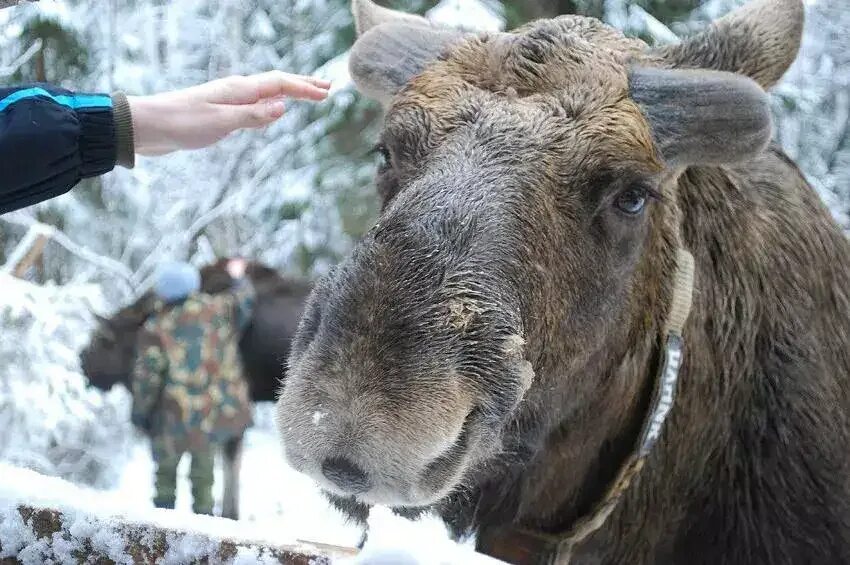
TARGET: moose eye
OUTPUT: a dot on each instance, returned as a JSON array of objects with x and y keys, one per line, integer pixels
[{"x": 632, "y": 201}]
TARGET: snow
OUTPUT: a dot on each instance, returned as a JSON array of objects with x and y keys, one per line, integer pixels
[
  {"x": 23, "y": 486},
  {"x": 274, "y": 499},
  {"x": 641, "y": 21},
  {"x": 468, "y": 14},
  {"x": 56, "y": 10},
  {"x": 49, "y": 419},
  {"x": 102, "y": 517},
  {"x": 278, "y": 505},
  {"x": 336, "y": 71},
  {"x": 394, "y": 540}
]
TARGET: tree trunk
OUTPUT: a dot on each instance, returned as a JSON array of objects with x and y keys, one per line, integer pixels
[{"x": 55, "y": 536}]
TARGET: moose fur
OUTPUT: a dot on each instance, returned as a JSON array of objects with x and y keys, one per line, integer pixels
[{"x": 489, "y": 349}]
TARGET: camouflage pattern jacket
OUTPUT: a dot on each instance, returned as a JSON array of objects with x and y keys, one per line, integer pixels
[{"x": 188, "y": 388}]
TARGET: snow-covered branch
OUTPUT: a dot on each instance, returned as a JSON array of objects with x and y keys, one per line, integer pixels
[
  {"x": 13, "y": 67},
  {"x": 31, "y": 244},
  {"x": 641, "y": 21},
  {"x": 220, "y": 205},
  {"x": 47, "y": 520},
  {"x": 36, "y": 229}
]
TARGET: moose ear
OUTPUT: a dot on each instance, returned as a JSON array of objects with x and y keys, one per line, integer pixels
[
  {"x": 388, "y": 55},
  {"x": 702, "y": 117},
  {"x": 367, "y": 15},
  {"x": 760, "y": 40}
]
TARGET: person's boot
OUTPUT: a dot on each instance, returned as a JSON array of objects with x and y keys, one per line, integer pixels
[{"x": 165, "y": 503}]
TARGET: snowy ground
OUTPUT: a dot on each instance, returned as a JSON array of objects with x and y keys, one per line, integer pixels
[
  {"x": 277, "y": 505},
  {"x": 271, "y": 494}
]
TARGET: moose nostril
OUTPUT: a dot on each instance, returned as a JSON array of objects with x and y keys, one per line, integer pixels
[{"x": 346, "y": 475}]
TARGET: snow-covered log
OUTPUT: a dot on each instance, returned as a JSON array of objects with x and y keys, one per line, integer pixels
[
  {"x": 36, "y": 229},
  {"x": 48, "y": 520},
  {"x": 44, "y": 535}
]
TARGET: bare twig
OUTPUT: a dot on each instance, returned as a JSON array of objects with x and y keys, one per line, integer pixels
[
  {"x": 143, "y": 275},
  {"x": 36, "y": 228},
  {"x": 12, "y": 68}
]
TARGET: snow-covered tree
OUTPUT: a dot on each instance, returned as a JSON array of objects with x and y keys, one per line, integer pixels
[{"x": 49, "y": 419}]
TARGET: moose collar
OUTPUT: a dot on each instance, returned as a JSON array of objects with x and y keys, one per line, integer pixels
[{"x": 529, "y": 547}]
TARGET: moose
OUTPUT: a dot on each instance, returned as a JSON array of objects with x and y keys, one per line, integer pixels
[
  {"x": 498, "y": 347},
  {"x": 263, "y": 348}
]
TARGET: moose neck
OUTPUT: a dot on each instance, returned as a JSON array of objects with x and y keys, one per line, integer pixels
[
  {"x": 594, "y": 426},
  {"x": 586, "y": 450}
]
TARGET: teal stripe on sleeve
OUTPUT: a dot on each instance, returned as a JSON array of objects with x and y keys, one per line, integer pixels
[{"x": 74, "y": 101}]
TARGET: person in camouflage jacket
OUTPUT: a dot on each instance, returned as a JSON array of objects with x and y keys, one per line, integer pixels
[{"x": 189, "y": 394}]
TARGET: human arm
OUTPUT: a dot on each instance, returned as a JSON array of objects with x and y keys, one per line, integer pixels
[
  {"x": 202, "y": 115},
  {"x": 51, "y": 138}
]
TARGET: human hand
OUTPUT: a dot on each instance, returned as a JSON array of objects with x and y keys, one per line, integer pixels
[{"x": 202, "y": 115}]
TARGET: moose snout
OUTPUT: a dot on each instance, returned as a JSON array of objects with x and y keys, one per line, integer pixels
[
  {"x": 346, "y": 475},
  {"x": 357, "y": 449}
]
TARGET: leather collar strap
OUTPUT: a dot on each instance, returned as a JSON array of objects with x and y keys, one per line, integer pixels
[{"x": 524, "y": 546}]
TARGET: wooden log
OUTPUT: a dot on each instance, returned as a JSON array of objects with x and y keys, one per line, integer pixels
[{"x": 48, "y": 535}]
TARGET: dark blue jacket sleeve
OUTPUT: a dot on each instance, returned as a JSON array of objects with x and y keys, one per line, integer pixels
[{"x": 50, "y": 139}]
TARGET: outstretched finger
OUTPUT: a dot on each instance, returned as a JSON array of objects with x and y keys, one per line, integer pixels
[
  {"x": 320, "y": 82},
  {"x": 277, "y": 83}
]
